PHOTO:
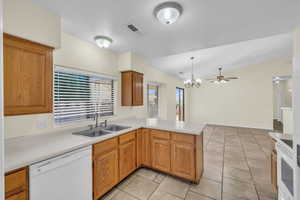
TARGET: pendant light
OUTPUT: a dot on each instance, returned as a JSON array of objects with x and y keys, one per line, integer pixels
[{"x": 192, "y": 82}]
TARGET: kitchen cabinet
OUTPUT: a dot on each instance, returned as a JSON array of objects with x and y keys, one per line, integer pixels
[
  {"x": 105, "y": 166},
  {"x": 132, "y": 88},
  {"x": 146, "y": 148},
  {"x": 183, "y": 156},
  {"x": 274, "y": 166},
  {"x": 127, "y": 152},
  {"x": 27, "y": 76},
  {"x": 16, "y": 185},
  {"x": 160, "y": 150}
]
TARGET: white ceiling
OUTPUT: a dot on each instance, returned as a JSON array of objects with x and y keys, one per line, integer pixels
[
  {"x": 204, "y": 24},
  {"x": 229, "y": 57}
]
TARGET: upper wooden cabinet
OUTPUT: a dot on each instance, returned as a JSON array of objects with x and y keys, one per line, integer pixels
[
  {"x": 132, "y": 88},
  {"x": 27, "y": 77}
]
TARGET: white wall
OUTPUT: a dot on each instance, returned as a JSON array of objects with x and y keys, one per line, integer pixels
[
  {"x": 24, "y": 19},
  {"x": 87, "y": 56},
  {"x": 1, "y": 110},
  {"x": 296, "y": 104},
  {"x": 246, "y": 102}
]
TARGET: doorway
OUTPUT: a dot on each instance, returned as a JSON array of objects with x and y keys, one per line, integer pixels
[{"x": 179, "y": 104}]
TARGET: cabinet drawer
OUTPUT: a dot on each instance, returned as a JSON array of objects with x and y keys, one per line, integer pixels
[
  {"x": 15, "y": 182},
  {"x": 19, "y": 196},
  {"x": 105, "y": 146},
  {"x": 127, "y": 137},
  {"x": 183, "y": 138},
  {"x": 160, "y": 134}
]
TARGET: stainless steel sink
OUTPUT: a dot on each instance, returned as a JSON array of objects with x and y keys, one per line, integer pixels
[
  {"x": 100, "y": 131},
  {"x": 114, "y": 127},
  {"x": 93, "y": 132}
]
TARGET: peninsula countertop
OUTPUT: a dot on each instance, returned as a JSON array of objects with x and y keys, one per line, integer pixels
[{"x": 26, "y": 150}]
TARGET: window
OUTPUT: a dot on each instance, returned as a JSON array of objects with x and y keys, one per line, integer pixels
[
  {"x": 80, "y": 95},
  {"x": 152, "y": 101},
  {"x": 180, "y": 104}
]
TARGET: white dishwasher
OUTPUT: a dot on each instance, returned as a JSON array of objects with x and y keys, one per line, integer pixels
[{"x": 65, "y": 177}]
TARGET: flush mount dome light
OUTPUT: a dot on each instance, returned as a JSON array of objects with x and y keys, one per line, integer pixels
[
  {"x": 168, "y": 12},
  {"x": 103, "y": 41}
]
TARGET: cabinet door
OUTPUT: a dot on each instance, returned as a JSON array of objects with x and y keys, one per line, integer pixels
[
  {"x": 105, "y": 172},
  {"x": 19, "y": 196},
  {"x": 183, "y": 160},
  {"x": 138, "y": 94},
  {"x": 160, "y": 154},
  {"x": 27, "y": 77},
  {"x": 146, "y": 148},
  {"x": 274, "y": 170},
  {"x": 127, "y": 158}
]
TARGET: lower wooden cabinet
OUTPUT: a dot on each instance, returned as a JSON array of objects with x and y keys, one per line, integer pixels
[
  {"x": 183, "y": 160},
  {"x": 174, "y": 153},
  {"x": 161, "y": 154},
  {"x": 16, "y": 185},
  {"x": 105, "y": 166},
  {"x": 127, "y": 151},
  {"x": 274, "y": 170},
  {"x": 145, "y": 147}
]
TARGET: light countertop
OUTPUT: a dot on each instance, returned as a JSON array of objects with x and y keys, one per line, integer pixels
[
  {"x": 278, "y": 136},
  {"x": 24, "y": 151}
]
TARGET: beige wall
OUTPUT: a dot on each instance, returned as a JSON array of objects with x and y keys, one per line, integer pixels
[
  {"x": 87, "y": 56},
  {"x": 246, "y": 102},
  {"x": 24, "y": 19}
]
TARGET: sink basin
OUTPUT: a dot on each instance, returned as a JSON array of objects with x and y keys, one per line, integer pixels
[
  {"x": 93, "y": 132},
  {"x": 114, "y": 127}
]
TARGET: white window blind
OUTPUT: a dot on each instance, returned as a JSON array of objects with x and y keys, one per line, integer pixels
[{"x": 80, "y": 95}]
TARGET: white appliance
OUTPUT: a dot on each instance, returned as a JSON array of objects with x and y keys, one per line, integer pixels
[
  {"x": 285, "y": 171},
  {"x": 65, "y": 177}
]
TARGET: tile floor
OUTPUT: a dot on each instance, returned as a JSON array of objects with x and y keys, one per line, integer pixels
[{"x": 236, "y": 167}]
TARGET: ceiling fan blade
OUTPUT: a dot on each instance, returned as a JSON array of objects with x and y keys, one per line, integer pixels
[{"x": 231, "y": 78}]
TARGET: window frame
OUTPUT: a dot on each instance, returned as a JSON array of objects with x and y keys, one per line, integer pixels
[
  {"x": 76, "y": 71},
  {"x": 157, "y": 92}
]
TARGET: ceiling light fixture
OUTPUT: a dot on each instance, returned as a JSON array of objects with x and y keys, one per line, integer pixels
[
  {"x": 220, "y": 78},
  {"x": 168, "y": 12},
  {"x": 192, "y": 82},
  {"x": 103, "y": 41}
]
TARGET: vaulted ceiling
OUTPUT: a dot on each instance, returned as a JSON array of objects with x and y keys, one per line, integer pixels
[{"x": 204, "y": 24}]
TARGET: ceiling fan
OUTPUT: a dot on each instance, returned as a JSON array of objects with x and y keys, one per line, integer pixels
[{"x": 220, "y": 78}]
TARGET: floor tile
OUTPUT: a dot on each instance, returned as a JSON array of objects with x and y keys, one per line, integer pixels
[
  {"x": 123, "y": 196},
  {"x": 159, "y": 178},
  {"x": 174, "y": 186},
  {"x": 238, "y": 174},
  {"x": 239, "y": 189},
  {"x": 196, "y": 196},
  {"x": 140, "y": 187},
  {"x": 208, "y": 188},
  {"x": 110, "y": 194},
  {"x": 147, "y": 173},
  {"x": 162, "y": 195}
]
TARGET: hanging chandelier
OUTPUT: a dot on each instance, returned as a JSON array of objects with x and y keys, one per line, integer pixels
[{"x": 192, "y": 82}]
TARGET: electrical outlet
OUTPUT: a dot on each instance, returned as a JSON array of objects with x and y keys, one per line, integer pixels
[{"x": 41, "y": 123}]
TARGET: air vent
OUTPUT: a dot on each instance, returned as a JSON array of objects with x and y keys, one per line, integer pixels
[{"x": 133, "y": 28}]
